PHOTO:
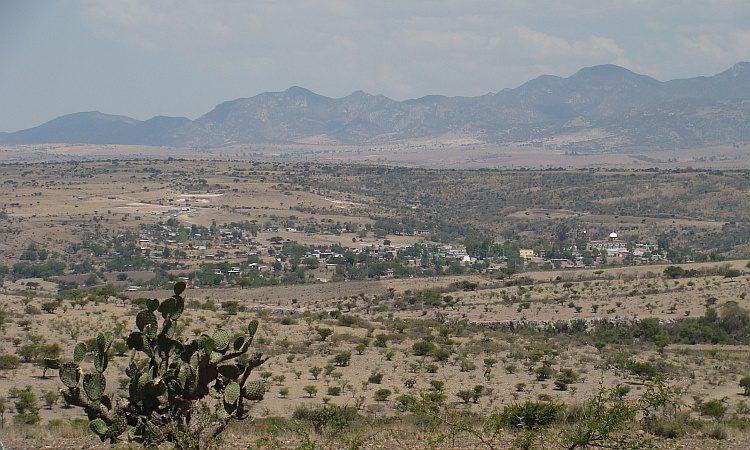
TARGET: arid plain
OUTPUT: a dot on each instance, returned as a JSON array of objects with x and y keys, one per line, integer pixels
[{"x": 483, "y": 320}]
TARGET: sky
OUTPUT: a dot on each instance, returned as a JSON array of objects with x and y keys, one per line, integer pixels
[{"x": 142, "y": 58}]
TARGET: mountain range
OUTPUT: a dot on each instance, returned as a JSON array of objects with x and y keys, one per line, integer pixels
[{"x": 601, "y": 108}]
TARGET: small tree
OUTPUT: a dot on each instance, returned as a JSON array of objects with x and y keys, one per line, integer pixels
[
  {"x": 310, "y": 389},
  {"x": 382, "y": 395},
  {"x": 26, "y": 407},
  {"x": 324, "y": 333},
  {"x": 342, "y": 359},
  {"x": 464, "y": 395},
  {"x": 315, "y": 371},
  {"x": 661, "y": 341},
  {"x": 745, "y": 383},
  {"x": 50, "y": 398}
]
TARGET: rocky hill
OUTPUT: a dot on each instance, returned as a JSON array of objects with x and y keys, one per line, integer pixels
[{"x": 601, "y": 108}]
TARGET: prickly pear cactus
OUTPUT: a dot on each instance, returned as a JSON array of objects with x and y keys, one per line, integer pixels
[{"x": 169, "y": 378}]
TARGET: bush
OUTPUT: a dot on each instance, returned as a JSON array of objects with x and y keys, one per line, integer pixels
[
  {"x": 9, "y": 362},
  {"x": 382, "y": 395},
  {"x": 745, "y": 383},
  {"x": 375, "y": 378},
  {"x": 342, "y": 359},
  {"x": 529, "y": 415},
  {"x": 423, "y": 348},
  {"x": 671, "y": 428},
  {"x": 712, "y": 408},
  {"x": 329, "y": 418}
]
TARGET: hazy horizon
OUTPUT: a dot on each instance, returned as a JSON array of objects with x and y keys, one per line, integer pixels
[{"x": 143, "y": 59}]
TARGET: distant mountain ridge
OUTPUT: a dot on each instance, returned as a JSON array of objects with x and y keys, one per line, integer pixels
[{"x": 623, "y": 111}]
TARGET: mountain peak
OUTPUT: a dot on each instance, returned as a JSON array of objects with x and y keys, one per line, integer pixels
[
  {"x": 633, "y": 108},
  {"x": 296, "y": 90},
  {"x": 741, "y": 69},
  {"x": 605, "y": 71}
]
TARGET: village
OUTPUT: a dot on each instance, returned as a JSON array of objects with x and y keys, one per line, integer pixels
[{"x": 240, "y": 253}]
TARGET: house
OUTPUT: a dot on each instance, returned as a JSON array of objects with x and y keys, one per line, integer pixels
[
  {"x": 613, "y": 244},
  {"x": 526, "y": 253}
]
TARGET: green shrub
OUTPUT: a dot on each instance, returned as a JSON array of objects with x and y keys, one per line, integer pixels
[
  {"x": 671, "y": 427},
  {"x": 712, "y": 408},
  {"x": 382, "y": 395},
  {"x": 529, "y": 415},
  {"x": 423, "y": 348},
  {"x": 375, "y": 378},
  {"x": 329, "y": 418},
  {"x": 9, "y": 362}
]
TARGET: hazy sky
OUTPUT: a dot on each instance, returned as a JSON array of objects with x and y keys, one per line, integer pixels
[{"x": 182, "y": 57}]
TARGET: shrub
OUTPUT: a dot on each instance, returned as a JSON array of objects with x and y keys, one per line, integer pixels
[
  {"x": 529, "y": 415},
  {"x": 375, "y": 378},
  {"x": 712, "y": 408},
  {"x": 310, "y": 389},
  {"x": 329, "y": 418},
  {"x": 342, "y": 359},
  {"x": 671, "y": 427},
  {"x": 744, "y": 383},
  {"x": 423, "y": 348},
  {"x": 464, "y": 395},
  {"x": 9, "y": 362},
  {"x": 382, "y": 395},
  {"x": 169, "y": 378}
]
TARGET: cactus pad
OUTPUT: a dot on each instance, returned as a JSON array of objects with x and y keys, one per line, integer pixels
[
  {"x": 99, "y": 427},
  {"x": 230, "y": 371},
  {"x": 69, "y": 374},
  {"x": 152, "y": 304},
  {"x": 209, "y": 345},
  {"x": 52, "y": 363},
  {"x": 252, "y": 327},
  {"x": 168, "y": 307},
  {"x": 118, "y": 425},
  {"x": 100, "y": 362},
  {"x": 254, "y": 390},
  {"x": 79, "y": 352},
  {"x": 179, "y": 287},
  {"x": 94, "y": 385},
  {"x": 146, "y": 322},
  {"x": 238, "y": 343},
  {"x": 221, "y": 340},
  {"x": 232, "y": 392}
]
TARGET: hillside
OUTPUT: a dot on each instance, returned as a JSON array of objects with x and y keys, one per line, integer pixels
[{"x": 602, "y": 108}]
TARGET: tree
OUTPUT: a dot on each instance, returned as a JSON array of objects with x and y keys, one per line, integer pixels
[
  {"x": 745, "y": 383},
  {"x": 26, "y": 407},
  {"x": 464, "y": 395},
  {"x": 50, "y": 398},
  {"x": 315, "y": 371},
  {"x": 310, "y": 389},
  {"x": 324, "y": 332},
  {"x": 423, "y": 348},
  {"x": 661, "y": 341},
  {"x": 342, "y": 359},
  {"x": 477, "y": 244},
  {"x": 731, "y": 274},
  {"x": 382, "y": 395},
  {"x": 168, "y": 381},
  {"x": 674, "y": 271}
]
